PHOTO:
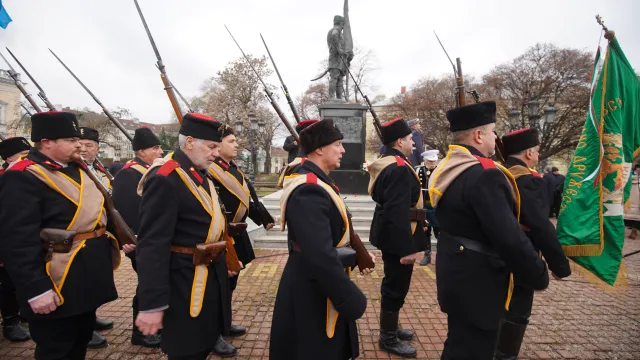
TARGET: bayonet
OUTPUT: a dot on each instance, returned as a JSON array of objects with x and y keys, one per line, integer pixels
[
  {"x": 269, "y": 95},
  {"x": 457, "y": 71},
  {"x": 26, "y": 109},
  {"x": 160, "y": 65},
  {"x": 284, "y": 87},
  {"x": 20, "y": 85},
  {"x": 104, "y": 109},
  {"x": 41, "y": 93}
]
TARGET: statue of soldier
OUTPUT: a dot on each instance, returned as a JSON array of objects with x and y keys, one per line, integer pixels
[{"x": 336, "y": 68}]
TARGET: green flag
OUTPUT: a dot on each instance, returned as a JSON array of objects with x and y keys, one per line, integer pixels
[{"x": 598, "y": 183}]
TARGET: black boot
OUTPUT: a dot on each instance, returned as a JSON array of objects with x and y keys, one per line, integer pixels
[
  {"x": 510, "y": 336},
  {"x": 97, "y": 341},
  {"x": 389, "y": 341},
  {"x": 102, "y": 324},
  {"x": 224, "y": 349},
  {"x": 427, "y": 258},
  {"x": 405, "y": 334},
  {"x": 151, "y": 341},
  {"x": 237, "y": 330},
  {"x": 12, "y": 329}
]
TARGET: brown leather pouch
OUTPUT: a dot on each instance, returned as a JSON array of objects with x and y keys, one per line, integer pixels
[
  {"x": 236, "y": 229},
  {"x": 208, "y": 253},
  {"x": 56, "y": 241},
  {"x": 417, "y": 214}
]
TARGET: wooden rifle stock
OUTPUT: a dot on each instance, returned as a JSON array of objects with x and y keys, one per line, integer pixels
[
  {"x": 123, "y": 232},
  {"x": 172, "y": 98},
  {"x": 363, "y": 259},
  {"x": 231, "y": 257}
]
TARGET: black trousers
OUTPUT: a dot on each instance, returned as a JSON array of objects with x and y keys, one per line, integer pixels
[
  {"x": 467, "y": 342},
  {"x": 396, "y": 281},
  {"x": 8, "y": 301},
  {"x": 134, "y": 303},
  {"x": 430, "y": 230},
  {"x": 62, "y": 339},
  {"x": 521, "y": 304}
]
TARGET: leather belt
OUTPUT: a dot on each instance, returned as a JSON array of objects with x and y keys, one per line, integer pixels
[
  {"x": 183, "y": 249},
  {"x": 90, "y": 235},
  {"x": 475, "y": 245},
  {"x": 525, "y": 227},
  {"x": 417, "y": 214}
]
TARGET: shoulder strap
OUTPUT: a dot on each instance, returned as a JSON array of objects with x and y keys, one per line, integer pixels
[
  {"x": 168, "y": 167},
  {"x": 486, "y": 162},
  {"x": 21, "y": 165}
]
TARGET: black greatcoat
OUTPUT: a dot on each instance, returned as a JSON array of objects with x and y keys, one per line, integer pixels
[
  {"x": 478, "y": 205},
  {"x": 28, "y": 205},
  {"x": 534, "y": 211},
  {"x": 396, "y": 191},
  {"x": 310, "y": 277},
  {"x": 171, "y": 215},
  {"x": 232, "y": 203}
]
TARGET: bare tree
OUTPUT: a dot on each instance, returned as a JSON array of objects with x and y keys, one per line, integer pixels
[
  {"x": 363, "y": 65},
  {"x": 307, "y": 103}
]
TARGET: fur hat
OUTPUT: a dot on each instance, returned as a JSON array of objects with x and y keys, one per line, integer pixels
[
  {"x": 201, "y": 126},
  {"x": 87, "y": 133},
  {"x": 54, "y": 125},
  {"x": 394, "y": 130},
  {"x": 520, "y": 140},
  {"x": 319, "y": 134},
  {"x": 12, "y": 146},
  {"x": 144, "y": 138},
  {"x": 303, "y": 125},
  {"x": 471, "y": 116}
]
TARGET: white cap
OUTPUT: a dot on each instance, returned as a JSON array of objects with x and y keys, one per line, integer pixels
[{"x": 431, "y": 155}]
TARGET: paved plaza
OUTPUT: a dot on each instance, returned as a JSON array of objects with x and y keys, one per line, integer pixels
[{"x": 571, "y": 320}]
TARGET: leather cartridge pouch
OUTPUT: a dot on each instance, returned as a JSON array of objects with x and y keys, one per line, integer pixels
[
  {"x": 417, "y": 214},
  {"x": 236, "y": 229},
  {"x": 56, "y": 241},
  {"x": 208, "y": 253}
]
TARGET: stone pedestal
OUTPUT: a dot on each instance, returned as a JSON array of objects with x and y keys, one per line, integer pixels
[{"x": 351, "y": 120}]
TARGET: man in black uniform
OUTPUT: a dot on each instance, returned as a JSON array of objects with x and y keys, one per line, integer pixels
[
  {"x": 480, "y": 241},
  {"x": 522, "y": 150},
  {"x": 295, "y": 162},
  {"x": 58, "y": 289},
  {"x": 430, "y": 158},
  {"x": 183, "y": 287},
  {"x": 126, "y": 199},
  {"x": 11, "y": 150},
  {"x": 397, "y": 229},
  {"x": 317, "y": 305},
  {"x": 89, "y": 150},
  {"x": 235, "y": 196}
]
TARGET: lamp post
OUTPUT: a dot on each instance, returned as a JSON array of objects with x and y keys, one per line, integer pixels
[
  {"x": 514, "y": 119},
  {"x": 255, "y": 127},
  {"x": 534, "y": 113}
]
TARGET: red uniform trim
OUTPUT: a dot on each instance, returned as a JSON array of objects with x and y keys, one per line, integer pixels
[
  {"x": 196, "y": 175},
  {"x": 303, "y": 160},
  {"x": 22, "y": 165},
  {"x": 392, "y": 121},
  {"x": 202, "y": 117},
  {"x": 307, "y": 122},
  {"x": 2, "y": 171},
  {"x": 400, "y": 161},
  {"x": 130, "y": 164},
  {"x": 518, "y": 131},
  {"x": 168, "y": 168},
  {"x": 535, "y": 173},
  {"x": 485, "y": 162},
  {"x": 223, "y": 164},
  {"x": 312, "y": 178}
]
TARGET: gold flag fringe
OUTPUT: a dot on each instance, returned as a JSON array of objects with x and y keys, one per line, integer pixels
[{"x": 618, "y": 287}]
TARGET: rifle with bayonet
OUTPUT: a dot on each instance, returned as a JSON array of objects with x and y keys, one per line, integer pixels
[
  {"x": 284, "y": 87},
  {"x": 269, "y": 94},
  {"x": 123, "y": 233},
  {"x": 19, "y": 84},
  {"x": 460, "y": 94},
  {"x": 41, "y": 93},
  {"x": 168, "y": 87}
]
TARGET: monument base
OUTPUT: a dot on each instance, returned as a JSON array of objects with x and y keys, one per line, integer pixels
[{"x": 350, "y": 119}]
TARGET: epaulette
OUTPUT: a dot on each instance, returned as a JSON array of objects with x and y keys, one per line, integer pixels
[
  {"x": 129, "y": 164},
  {"x": 400, "y": 161},
  {"x": 22, "y": 165},
  {"x": 312, "y": 178},
  {"x": 223, "y": 164},
  {"x": 2, "y": 171},
  {"x": 168, "y": 167},
  {"x": 486, "y": 162}
]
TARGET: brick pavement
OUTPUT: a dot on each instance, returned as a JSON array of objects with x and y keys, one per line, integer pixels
[{"x": 572, "y": 319}]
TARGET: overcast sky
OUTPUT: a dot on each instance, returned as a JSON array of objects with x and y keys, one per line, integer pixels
[{"x": 104, "y": 42}]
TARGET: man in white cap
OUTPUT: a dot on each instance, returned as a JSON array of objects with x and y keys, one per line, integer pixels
[{"x": 430, "y": 158}]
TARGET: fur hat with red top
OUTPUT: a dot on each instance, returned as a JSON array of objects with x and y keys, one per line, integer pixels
[
  {"x": 520, "y": 140},
  {"x": 144, "y": 138},
  {"x": 201, "y": 126},
  {"x": 319, "y": 134},
  {"x": 394, "y": 130},
  {"x": 53, "y": 125}
]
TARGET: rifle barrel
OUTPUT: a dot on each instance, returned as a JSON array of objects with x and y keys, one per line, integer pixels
[
  {"x": 95, "y": 98},
  {"x": 20, "y": 86},
  {"x": 284, "y": 87},
  {"x": 41, "y": 94}
]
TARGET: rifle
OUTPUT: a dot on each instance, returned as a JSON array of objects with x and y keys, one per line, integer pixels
[
  {"x": 363, "y": 259},
  {"x": 284, "y": 87},
  {"x": 41, "y": 93},
  {"x": 461, "y": 99},
  {"x": 123, "y": 233},
  {"x": 168, "y": 87},
  {"x": 376, "y": 120},
  {"x": 269, "y": 94},
  {"x": 20, "y": 85}
]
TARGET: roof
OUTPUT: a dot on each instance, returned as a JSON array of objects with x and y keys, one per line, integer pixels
[
  {"x": 279, "y": 152},
  {"x": 132, "y": 124}
]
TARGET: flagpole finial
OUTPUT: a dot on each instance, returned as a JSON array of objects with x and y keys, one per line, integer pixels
[{"x": 608, "y": 34}]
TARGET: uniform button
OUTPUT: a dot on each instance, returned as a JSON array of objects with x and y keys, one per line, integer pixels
[{"x": 461, "y": 248}]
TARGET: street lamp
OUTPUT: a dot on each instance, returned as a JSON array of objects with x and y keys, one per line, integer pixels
[
  {"x": 239, "y": 126},
  {"x": 550, "y": 115},
  {"x": 514, "y": 118},
  {"x": 534, "y": 112}
]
